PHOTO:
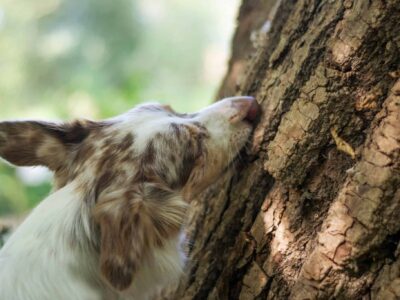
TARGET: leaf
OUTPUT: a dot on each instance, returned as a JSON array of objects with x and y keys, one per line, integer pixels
[{"x": 342, "y": 145}]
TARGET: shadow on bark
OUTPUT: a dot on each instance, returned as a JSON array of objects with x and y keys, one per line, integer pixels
[{"x": 314, "y": 210}]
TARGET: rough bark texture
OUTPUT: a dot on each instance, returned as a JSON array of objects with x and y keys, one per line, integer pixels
[{"x": 313, "y": 212}]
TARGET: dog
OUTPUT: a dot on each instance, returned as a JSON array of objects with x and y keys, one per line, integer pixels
[{"x": 110, "y": 229}]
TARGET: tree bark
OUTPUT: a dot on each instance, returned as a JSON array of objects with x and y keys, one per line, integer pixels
[{"x": 313, "y": 211}]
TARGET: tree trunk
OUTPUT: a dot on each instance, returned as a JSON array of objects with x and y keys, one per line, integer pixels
[{"x": 313, "y": 212}]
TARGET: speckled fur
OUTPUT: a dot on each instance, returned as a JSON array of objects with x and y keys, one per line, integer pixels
[{"x": 112, "y": 227}]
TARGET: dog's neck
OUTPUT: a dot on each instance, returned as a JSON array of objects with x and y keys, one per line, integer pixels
[
  {"x": 59, "y": 228},
  {"x": 56, "y": 236},
  {"x": 54, "y": 220}
]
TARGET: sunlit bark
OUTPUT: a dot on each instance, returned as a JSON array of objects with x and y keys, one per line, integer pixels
[{"x": 313, "y": 211}]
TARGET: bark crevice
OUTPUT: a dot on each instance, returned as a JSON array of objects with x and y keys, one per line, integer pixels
[{"x": 305, "y": 220}]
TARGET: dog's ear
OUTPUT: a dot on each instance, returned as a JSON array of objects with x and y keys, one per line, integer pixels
[
  {"x": 32, "y": 143},
  {"x": 132, "y": 223}
]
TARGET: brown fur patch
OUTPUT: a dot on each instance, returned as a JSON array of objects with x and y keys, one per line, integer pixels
[
  {"x": 173, "y": 158},
  {"x": 71, "y": 133},
  {"x": 108, "y": 158},
  {"x": 132, "y": 222},
  {"x": 104, "y": 182},
  {"x": 3, "y": 139},
  {"x": 127, "y": 142},
  {"x": 176, "y": 128},
  {"x": 85, "y": 152},
  {"x": 21, "y": 142},
  {"x": 29, "y": 143},
  {"x": 149, "y": 155},
  {"x": 194, "y": 150}
]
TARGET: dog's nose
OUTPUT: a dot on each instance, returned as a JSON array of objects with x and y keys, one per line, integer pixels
[{"x": 248, "y": 107}]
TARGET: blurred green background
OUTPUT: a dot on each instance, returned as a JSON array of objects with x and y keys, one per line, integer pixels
[{"x": 64, "y": 59}]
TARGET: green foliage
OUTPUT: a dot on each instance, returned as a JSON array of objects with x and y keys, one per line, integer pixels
[
  {"x": 63, "y": 59},
  {"x": 15, "y": 196}
]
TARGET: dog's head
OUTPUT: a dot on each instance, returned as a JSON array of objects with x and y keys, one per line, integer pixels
[
  {"x": 134, "y": 168},
  {"x": 150, "y": 143}
]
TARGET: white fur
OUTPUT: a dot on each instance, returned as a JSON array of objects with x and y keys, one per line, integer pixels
[{"x": 52, "y": 239}]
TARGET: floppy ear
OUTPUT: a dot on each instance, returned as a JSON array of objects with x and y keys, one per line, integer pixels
[
  {"x": 132, "y": 223},
  {"x": 32, "y": 143}
]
